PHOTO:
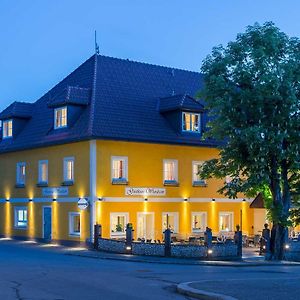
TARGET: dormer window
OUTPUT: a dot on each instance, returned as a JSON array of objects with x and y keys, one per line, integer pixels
[
  {"x": 7, "y": 129},
  {"x": 191, "y": 122},
  {"x": 60, "y": 117}
]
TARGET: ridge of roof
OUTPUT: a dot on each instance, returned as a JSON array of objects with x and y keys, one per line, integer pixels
[
  {"x": 92, "y": 104},
  {"x": 148, "y": 64}
]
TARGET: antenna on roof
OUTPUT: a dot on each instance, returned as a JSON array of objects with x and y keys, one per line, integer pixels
[{"x": 96, "y": 44}]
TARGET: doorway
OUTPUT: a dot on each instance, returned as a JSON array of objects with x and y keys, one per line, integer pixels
[
  {"x": 47, "y": 223},
  {"x": 145, "y": 225}
]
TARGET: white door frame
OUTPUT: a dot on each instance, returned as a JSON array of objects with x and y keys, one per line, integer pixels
[{"x": 144, "y": 214}]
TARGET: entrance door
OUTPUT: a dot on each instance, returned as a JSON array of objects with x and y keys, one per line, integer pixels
[
  {"x": 47, "y": 223},
  {"x": 145, "y": 226}
]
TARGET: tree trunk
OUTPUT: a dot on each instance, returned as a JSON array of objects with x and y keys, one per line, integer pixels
[{"x": 278, "y": 240}]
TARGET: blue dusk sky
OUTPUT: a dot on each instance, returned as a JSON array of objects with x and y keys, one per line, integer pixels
[{"x": 43, "y": 41}]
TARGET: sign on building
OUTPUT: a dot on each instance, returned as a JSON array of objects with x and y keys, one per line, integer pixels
[
  {"x": 83, "y": 203},
  {"x": 141, "y": 191},
  {"x": 55, "y": 191}
]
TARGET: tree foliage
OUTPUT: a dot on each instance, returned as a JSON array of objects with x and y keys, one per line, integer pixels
[{"x": 252, "y": 89}]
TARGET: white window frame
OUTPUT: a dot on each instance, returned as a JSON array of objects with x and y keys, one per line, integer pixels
[
  {"x": 65, "y": 170},
  {"x": 55, "y": 117},
  {"x": 175, "y": 169},
  {"x": 16, "y": 217},
  {"x": 18, "y": 176},
  {"x": 125, "y": 161},
  {"x": 118, "y": 214},
  {"x": 194, "y": 179},
  {"x": 199, "y": 122},
  {"x": 231, "y": 213},
  {"x": 176, "y": 220},
  {"x": 195, "y": 213},
  {"x": 7, "y": 129},
  {"x": 71, "y": 223},
  {"x": 41, "y": 162}
]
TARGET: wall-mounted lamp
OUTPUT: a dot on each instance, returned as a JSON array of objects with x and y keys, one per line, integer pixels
[
  {"x": 7, "y": 199},
  {"x": 244, "y": 200},
  {"x": 185, "y": 199},
  {"x": 100, "y": 198},
  {"x": 54, "y": 199},
  {"x": 209, "y": 251},
  {"x": 213, "y": 199},
  {"x": 145, "y": 199},
  {"x": 30, "y": 199}
]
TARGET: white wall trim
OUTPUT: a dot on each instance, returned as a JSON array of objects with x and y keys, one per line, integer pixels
[
  {"x": 40, "y": 200},
  {"x": 93, "y": 186}
]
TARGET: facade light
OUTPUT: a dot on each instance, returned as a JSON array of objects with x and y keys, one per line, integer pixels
[
  {"x": 100, "y": 198},
  {"x": 213, "y": 199},
  {"x": 7, "y": 199},
  {"x": 30, "y": 199},
  {"x": 54, "y": 199},
  {"x": 209, "y": 251},
  {"x": 128, "y": 248},
  {"x": 287, "y": 246},
  {"x": 244, "y": 200},
  {"x": 145, "y": 199},
  {"x": 185, "y": 199}
]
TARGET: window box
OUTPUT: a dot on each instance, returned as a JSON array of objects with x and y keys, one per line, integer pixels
[
  {"x": 119, "y": 181},
  {"x": 200, "y": 183},
  {"x": 171, "y": 183},
  {"x": 19, "y": 185},
  {"x": 42, "y": 184},
  {"x": 67, "y": 183}
]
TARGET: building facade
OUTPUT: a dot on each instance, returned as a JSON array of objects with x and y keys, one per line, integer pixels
[{"x": 115, "y": 142}]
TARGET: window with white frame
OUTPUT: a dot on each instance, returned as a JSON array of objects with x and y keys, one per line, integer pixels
[
  {"x": 119, "y": 169},
  {"x": 170, "y": 170},
  {"x": 196, "y": 167},
  {"x": 69, "y": 169},
  {"x": 7, "y": 129},
  {"x": 118, "y": 222},
  {"x": 74, "y": 223},
  {"x": 20, "y": 217},
  {"x": 191, "y": 122},
  {"x": 60, "y": 117},
  {"x": 21, "y": 173},
  {"x": 199, "y": 221},
  {"x": 226, "y": 221},
  {"x": 43, "y": 171},
  {"x": 170, "y": 220}
]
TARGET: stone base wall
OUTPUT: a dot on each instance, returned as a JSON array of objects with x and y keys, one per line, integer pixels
[
  {"x": 111, "y": 246},
  {"x": 293, "y": 252},
  {"x": 148, "y": 249},
  {"x": 218, "y": 251}
]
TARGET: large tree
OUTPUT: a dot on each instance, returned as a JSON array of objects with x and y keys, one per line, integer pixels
[{"x": 252, "y": 89}]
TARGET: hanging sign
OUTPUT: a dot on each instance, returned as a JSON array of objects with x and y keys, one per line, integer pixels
[
  {"x": 55, "y": 191},
  {"x": 141, "y": 191},
  {"x": 83, "y": 203}
]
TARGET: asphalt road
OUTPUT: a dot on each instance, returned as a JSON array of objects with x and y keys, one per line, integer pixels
[{"x": 31, "y": 272}]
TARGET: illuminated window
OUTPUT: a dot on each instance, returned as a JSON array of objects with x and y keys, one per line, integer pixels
[
  {"x": 190, "y": 122},
  {"x": 43, "y": 171},
  {"x": 20, "y": 217},
  {"x": 118, "y": 222},
  {"x": 74, "y": 223},
  {"x": 119, "y": 169},
  {"x": 226, "y": 221},
  {"x": 60, "y": 117},
  {"x": 21, "y": 173},
  {"x": 69, "y": 169},
  {"x": 7, "y": 130},
  {"x": 170, "y": 170},
  {"x": 170, "y": 220},
  {"x": 199, "y": 221},
  {"x": 197, "y": 180}
]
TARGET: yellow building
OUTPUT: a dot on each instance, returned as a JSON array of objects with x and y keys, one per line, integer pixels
[{"x": 115, "y": 142}]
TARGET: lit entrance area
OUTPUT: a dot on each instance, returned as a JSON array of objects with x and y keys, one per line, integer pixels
[{"x": 145, "y": 226}]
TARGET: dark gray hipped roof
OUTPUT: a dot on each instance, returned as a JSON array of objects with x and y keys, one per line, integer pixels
[{"x": 120, "y": 101}]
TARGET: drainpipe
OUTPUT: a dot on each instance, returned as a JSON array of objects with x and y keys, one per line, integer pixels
[{"x": 93, "y": 187}]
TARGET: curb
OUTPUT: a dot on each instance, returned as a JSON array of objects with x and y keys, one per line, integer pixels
[
  {"x": 185, "y": 289},
  {"x": 140, "y": 259}
]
